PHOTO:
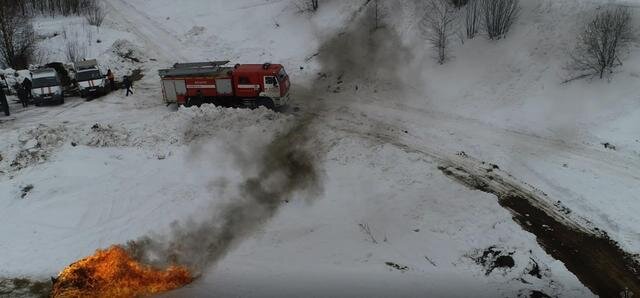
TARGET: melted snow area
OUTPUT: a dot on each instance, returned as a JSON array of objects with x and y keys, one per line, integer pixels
[{"x": 387, "y": 222}]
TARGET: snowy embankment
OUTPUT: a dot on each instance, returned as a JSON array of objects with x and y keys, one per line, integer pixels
[{"x": 119, "y": 168}]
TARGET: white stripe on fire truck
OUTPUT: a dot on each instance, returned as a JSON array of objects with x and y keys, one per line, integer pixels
[
  {"x": 248, "y": 86},
  {"x": 201, "y": 86}
]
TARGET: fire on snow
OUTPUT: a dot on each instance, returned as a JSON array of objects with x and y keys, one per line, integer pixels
[{"x": 114, "y": 273}]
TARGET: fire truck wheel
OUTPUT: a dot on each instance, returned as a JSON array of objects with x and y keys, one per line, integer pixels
[
  {"x": 250, "y": 103},
  {"x": 267, "y": 103}
]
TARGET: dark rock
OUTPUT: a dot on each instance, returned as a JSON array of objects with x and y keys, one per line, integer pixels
[
  {"x": 504, "y": 262},
  {"x": 538, "y": 294},
  {"x": 26, "y": 190},
  {"x": 397, "y": 266}
]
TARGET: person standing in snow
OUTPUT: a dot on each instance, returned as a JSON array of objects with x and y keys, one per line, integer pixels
[
  {"x": 127, "y": 85},
  {"x": 23, "y": 97},
  {"x": 4, "y": 103},
  {"x": 112, "y": 80},
  {"x": 20, "y": 92},
  {"x": 26, "y": 84}
]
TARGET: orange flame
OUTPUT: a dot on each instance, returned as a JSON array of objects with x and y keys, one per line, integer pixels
[{"x": 113, "y": 273}]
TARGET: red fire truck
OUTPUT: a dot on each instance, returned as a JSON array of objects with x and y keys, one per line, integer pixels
[{"x": 242, "y": 85}]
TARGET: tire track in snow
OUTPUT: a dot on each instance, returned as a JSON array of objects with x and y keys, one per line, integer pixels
[
  {"x": 165, "y": 45},
  {"x": 596, "y": 260}
]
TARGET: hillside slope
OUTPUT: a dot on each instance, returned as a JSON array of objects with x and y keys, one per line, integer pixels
[{"x": 386, "y": 221}]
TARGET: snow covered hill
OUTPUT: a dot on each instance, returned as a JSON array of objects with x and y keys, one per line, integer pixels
[{"x": 386, "y": 220}]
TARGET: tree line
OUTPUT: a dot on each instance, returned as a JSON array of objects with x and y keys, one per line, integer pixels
[{"x": 17, "y": 37}]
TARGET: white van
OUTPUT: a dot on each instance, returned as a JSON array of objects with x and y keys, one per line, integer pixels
[
  {"x": 46, "y": 86},
  {"x": 91, "y": 81}
]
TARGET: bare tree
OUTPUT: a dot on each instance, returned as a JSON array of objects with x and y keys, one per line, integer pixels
[
  {"x": 378, "y": 13},
  {"x": 603, "y": 42},
  {"x": 499, "y": 15},
  {"x": 367, "y": 230},
  {"x": 94, "y": 13},
  {"x": 40, "y": 56},
  {"x": 307, "y": 6},
  {"x": 17, "y": 38},
  {"x": 472, "y": 18},
  {"x": 48, "y": 7},
  {"x": 75, "y": 51},
  {"x": 439, "y": 24}
]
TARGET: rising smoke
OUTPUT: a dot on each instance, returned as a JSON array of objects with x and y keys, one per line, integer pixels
[
  {"x": 287, "y": 167},
  {"x": 363, "y": 52}
]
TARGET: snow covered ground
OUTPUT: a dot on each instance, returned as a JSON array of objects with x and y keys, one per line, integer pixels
[{"x": 86, "y": 175}]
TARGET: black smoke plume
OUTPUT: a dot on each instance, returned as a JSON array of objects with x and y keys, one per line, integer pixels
[{"x": 287, "y": 168}]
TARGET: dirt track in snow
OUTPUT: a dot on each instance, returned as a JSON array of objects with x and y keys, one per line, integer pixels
[{"x": 597, "y": 261}]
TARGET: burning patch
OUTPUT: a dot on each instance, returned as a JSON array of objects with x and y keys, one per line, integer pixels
[{"x": 114, "y": 273}]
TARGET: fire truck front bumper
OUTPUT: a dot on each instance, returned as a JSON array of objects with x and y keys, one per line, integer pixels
[{"x": 282, "y": 101}]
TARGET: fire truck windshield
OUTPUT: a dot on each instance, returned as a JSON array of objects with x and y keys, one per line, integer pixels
[{"x": 282, "y": 75}]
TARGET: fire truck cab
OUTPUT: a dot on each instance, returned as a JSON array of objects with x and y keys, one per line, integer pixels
[{"x": 247, "y": 85}]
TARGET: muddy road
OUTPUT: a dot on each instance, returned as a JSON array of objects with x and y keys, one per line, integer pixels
[{"x": 597, "y": 261}]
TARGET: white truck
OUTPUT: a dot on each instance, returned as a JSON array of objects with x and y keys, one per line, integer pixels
[
  {"x": 90, "y": 79},
  {"x": 46, "y": 86}
]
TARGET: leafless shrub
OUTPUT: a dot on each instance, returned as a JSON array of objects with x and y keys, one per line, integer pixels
[
  {"x": 472, "y": 18},
  {"x": 17, "y": 38},
  {"x": 439, "y": 24},
  {"x": 365, "y": 229},
  {"x": 378, "y": 12},
  {"x": 499, "y": 15},
  {"x": 47, "y": 7},
  {"x": 306, "y": 6},
  {"x": 40, "y": 56},
  {"x": 75, "y": 51},
  {"x": 94, "y": 13},
  {"x": 603, "y": 42}
]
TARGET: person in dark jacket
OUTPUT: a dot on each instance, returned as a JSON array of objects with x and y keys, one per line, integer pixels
[
  {"x": 20, "y": 92},
  {"x": 26, "y": 84},
  {"x": 127, "y": 85},
  {"x": 4, "y": 103},
  {"x": 22, "y": 95},
  {"x": 112, "y": 80}
]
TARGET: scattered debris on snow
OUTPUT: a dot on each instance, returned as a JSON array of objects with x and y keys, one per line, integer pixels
[{"x": 37, "y": 145}]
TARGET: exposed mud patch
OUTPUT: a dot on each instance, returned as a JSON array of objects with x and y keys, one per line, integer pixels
[
  {"x": 494, "y": 258},
  {"x": 25, "y": 190},
  {"x": 533, "y": 294},
  {"x": 597, "y": 261},
  {"x": 397, "y": 266}
]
